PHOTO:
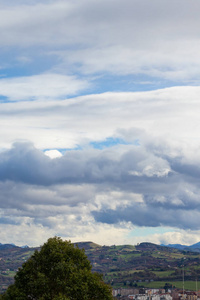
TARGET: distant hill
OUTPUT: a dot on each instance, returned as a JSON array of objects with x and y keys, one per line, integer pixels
[
  {"x": 8, "y": 246},
  {"x": 149, "y": 246},
  {"x": 87, "y": 245},
  {"x": 193, "y": 248}
]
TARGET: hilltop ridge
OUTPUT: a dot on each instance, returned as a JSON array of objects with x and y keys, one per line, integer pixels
[{"x": 194, "y": 248}]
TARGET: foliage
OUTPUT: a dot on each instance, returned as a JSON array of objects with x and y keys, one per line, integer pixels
[{"x": 59, "y": 271}]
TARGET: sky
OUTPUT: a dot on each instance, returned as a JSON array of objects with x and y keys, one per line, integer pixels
[{"x": 99, "y": 118}]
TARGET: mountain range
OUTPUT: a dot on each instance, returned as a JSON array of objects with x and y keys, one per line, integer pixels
[{"x": 193, "y": 248}]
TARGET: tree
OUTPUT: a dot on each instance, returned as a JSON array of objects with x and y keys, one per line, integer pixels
[{"x": 59, "y": 271}]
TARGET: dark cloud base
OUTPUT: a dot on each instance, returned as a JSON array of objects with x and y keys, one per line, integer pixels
[{"x": 36, "y": 186}]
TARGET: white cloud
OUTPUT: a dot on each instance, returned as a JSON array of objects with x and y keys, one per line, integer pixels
[
  {"x": 184, "y": 237},
  {"x": 25, "y": 234},
  {"x": 171, "y": 115},
  {"x": 53, "y": 153},
  {"x": 32, "y": 234},
  {"x": 41, "y": 87}
]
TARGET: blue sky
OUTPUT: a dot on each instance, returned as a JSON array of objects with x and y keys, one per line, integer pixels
[{"x": 99, "y": 117}]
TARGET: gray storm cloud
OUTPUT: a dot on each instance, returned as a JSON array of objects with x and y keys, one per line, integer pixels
[
  {"x": 31, "y": 180},
  {"x": 151, "y": 216},
  {"x": 24, "y": 163}
]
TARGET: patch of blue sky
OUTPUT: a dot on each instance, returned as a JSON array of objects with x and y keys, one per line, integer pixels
[
  {"x": 25, "y": 64},
  {"x": 110, "y": 142},
  {"x": 147, "y": 231},
  {"x": 78, "y": 147},
  {"x": 128, "y": 83},
  {"x": 8, "y": 220},
  {"x": 4, "y": 99}
]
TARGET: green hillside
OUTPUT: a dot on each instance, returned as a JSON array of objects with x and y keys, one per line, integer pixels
[{"x": 143, "y": 265}]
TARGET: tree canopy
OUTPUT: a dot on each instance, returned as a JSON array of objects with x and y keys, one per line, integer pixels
[{"x": 59, "y": 271}]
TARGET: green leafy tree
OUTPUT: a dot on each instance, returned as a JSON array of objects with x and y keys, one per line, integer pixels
[{"x": 59, "y": 271}]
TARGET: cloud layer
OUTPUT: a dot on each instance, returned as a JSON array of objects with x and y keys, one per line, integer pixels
[
  {"x": 133, "y": 184},
  {"x": 99, "y": 117},
  {"x": 147, "y": 177},
  {"x": 157, "y": 39},
  {"x": 170, "y": 114}
]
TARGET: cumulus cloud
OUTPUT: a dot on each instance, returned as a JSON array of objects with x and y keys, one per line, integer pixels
[
  {"x": 135, "y": 185},
  {"x": 164, "y": 236},
  {"x": 24, "y": 163}
]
